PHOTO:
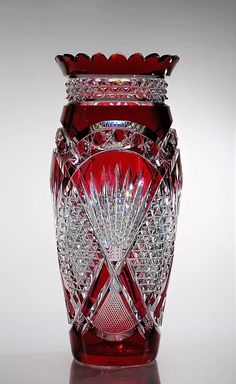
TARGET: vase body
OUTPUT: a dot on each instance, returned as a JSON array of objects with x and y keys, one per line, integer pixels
[{"x": 116, "y": 180}]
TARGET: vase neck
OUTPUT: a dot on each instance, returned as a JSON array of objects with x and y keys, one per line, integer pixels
[{"x": 118, "y": 89}]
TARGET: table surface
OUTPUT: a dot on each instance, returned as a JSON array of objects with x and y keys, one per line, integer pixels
[
  {"x": 193, "y": 350},
  {"x": 59, "y": 368}
]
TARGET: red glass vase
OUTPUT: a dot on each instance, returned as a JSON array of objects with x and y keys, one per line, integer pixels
[{"x": 116, "y": 180}]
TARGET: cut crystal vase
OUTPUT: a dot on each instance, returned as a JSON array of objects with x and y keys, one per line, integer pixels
[{"x": 116, "y": 180}]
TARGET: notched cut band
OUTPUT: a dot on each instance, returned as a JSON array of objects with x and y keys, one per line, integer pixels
[{"x": 146, "y": 88}]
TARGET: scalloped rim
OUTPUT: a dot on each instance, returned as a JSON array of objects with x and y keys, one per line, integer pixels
[{"x": 117, "y": 59}]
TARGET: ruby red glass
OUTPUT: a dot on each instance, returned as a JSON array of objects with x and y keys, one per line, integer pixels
[{"x": 116, "y": 180}]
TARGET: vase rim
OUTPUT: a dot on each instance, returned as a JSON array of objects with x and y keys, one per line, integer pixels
[{"x": 117, "y": 63}]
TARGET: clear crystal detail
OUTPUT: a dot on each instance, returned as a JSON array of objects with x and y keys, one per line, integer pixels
[
  {"x": 106, "y": 319},
  {"x": 152, "y": 255},
  {"x": 115, "y": 211},
  {"x": 78, "y": 249},
  {"x": 154, "y": 248},
  {"x": 113, "y": 224},
  {"x": 102, "y": 139},
  {"x": 124, "y": 124},
  {"x": 150, "y": 88}
]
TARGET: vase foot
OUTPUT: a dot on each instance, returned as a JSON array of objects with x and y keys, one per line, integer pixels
[{"x": 134, "y": 350}]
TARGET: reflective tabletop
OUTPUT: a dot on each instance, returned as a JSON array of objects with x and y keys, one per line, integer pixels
[
  {"x": 198, "y": 350},
  {"x": 60, "y": 368}
]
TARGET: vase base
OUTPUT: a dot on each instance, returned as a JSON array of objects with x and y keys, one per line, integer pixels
[{"x": 134, "y": 350}]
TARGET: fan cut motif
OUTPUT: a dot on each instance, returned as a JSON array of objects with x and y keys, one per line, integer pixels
[
  {"x": 117, "y": 220},
  {"x": 115, "y": 211}
]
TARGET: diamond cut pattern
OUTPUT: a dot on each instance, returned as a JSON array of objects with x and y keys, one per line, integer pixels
[
  {"x": 106, "y": 318},
  {"x": 152, "y": 255},
  {"x": 74, "y": 154},
  {"x": 78, "y": 250},
  {"x": 154, "y": 247},
  {"x": 92, "y": 88},
  {"x": 99, "y": 225}
]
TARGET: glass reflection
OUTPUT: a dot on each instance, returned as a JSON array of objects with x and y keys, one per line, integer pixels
[{"x": 143, "y": 374}]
